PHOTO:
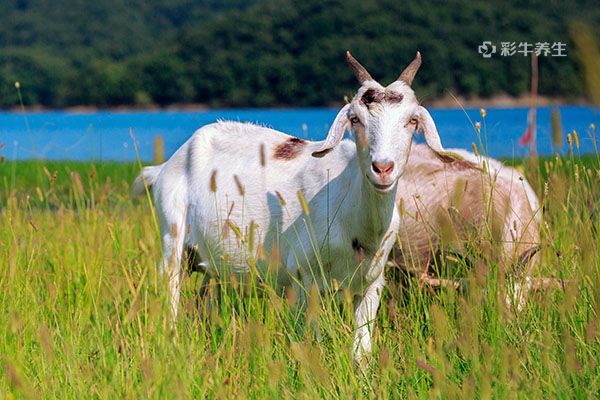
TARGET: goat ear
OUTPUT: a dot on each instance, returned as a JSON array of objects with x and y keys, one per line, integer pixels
[
  {"x": 336, "y": 132},
  {"x": 431, "y": 134}
]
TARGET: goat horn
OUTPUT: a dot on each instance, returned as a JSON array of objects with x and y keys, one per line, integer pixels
[
  {"x": 361, "y": 73},
  {"x": 409, "y": 72}
]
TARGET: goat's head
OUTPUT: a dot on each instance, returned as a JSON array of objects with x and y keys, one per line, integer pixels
[{"x": 384, "y": 120}]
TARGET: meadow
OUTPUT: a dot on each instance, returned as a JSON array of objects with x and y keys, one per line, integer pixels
[{"x": 84, "y": 313}]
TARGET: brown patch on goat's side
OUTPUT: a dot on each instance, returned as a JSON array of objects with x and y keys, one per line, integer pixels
[{"x": 289, "y": 149}]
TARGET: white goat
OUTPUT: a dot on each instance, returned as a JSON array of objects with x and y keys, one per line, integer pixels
[
  {"x": 243, "y": 177},
  {"x": 452, "y": 203}
]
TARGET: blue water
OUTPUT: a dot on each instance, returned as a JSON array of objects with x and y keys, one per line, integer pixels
[{"x": 107, "y": 135}]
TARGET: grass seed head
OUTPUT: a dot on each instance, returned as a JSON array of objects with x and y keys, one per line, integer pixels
[
  {"x": 291, "y": 296},
  {"x": 314, "y": 303},
  {"x": 303, "y": 203},
  {"x": 159, "y": 149},
  {"x": 557, "y": 134},
  {"x": 241, "y": 189},
  {"x": 262, "y": 155},
  {"x": 280, "y": 198},
  {"x": 213, "y": 181}
]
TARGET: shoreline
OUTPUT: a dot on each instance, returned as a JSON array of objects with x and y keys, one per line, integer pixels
[
  {"x": 448, "y": 102},
  {"x": 504, "y": 101}
]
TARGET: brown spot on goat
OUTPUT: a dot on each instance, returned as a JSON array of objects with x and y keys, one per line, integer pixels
[
  {"x": 372, "y": 96},
  {"x": 377, "y": 96},
  {"x": 394, "y": 97},
  {"x": 289, "y": 149}
]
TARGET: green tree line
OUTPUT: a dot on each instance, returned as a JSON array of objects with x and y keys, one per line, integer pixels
[{"x": 273, "y": 52}]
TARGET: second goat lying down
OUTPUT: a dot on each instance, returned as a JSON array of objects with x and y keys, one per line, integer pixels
[
  {"x": 443, "y": 206},
  {"x": 326, "y": 209}
]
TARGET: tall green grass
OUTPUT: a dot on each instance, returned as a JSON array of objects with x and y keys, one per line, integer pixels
[{"x": 83, "y": 312}]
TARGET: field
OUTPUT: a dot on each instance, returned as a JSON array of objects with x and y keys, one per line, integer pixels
[{"x": 83, "y": 312}]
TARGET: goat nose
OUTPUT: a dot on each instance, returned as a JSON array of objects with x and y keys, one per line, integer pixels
[{"x": 383, "y": 168}]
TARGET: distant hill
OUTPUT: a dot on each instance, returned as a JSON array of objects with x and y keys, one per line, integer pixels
[
  {"x": 111, "y": 29},
  {"x": 267, "y": 52}
]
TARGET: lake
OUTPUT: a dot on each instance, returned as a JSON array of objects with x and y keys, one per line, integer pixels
[{"x": 107, "y": 135}]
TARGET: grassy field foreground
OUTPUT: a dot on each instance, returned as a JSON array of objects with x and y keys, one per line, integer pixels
[{"x": 83, "y": 312}]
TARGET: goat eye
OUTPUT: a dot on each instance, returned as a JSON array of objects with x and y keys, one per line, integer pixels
[
  {"x": 354, "y": 119},
  {"x": 414, "y": 122}
]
